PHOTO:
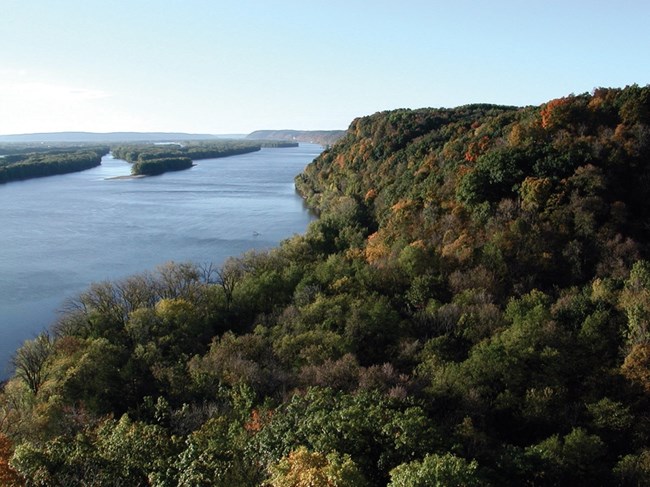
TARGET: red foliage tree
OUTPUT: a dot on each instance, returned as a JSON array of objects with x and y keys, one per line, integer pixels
[{"x": 8, "y": 476}]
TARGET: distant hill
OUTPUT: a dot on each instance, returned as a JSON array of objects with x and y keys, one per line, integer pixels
[
  {"x": 93, "y": 137},
  {"x": 322, "y": 137}
]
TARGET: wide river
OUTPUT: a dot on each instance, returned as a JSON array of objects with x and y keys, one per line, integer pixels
[{"x": 59, "y": 234}]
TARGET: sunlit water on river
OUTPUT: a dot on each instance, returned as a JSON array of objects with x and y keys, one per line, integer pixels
[{"x": 58, "y": 234}]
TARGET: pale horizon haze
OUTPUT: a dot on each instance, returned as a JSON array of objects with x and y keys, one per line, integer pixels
[{"x": 233, "y": 67}]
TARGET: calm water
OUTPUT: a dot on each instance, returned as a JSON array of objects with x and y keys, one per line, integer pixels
[{"x": 58, "y": 234}]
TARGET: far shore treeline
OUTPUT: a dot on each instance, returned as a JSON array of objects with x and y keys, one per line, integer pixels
[
  {"x": 471, "y": 308},
  {"x": 24, "y": 161},
  {"x": 151, "y": 159},
  {"x": 15, "y": 167}
]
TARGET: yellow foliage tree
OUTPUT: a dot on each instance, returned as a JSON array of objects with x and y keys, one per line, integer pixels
[{"x": 302, "y": 468}]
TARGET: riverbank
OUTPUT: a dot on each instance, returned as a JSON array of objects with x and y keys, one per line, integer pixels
[
  {"x": 128, "y": 176},
  {"x": 61, "y": 234}
]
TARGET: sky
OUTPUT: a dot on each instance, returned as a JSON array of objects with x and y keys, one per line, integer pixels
[{"x": 230, "y": 67}]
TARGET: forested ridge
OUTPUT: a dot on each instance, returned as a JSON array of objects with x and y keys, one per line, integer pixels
[{"x": 472, "y": 307}]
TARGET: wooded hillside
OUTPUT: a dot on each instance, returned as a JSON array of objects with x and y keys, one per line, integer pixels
[{"x": 472, "y": 307}]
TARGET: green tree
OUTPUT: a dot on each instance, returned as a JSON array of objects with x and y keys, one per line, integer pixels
[
  {"x": 377, "y": 432},
  {"x": 635, "y": 300},
  {"x": 141, "y": 453},
  {"x": 573, "y": 459},
  {"x": 216, "y": 455},
  {"x": 112, "y": 453},
  {"x": 634, "y": 470},
  {"x": 434, "y": 470}
]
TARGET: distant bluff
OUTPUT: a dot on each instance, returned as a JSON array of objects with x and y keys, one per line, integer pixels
[{"x": 322, "y": 137}]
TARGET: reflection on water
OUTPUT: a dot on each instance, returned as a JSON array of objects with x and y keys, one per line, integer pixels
[{"x": 59, "y": 234}]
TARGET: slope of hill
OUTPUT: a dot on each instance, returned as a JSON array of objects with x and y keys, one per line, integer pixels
[
  {"x": 471, "y": 308},
  {"x": 551, "y": 188}
]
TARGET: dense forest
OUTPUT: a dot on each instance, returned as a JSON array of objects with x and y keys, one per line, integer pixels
[
  {"x": 471, "y": 308},
  {"x": 26, "y": 163}
]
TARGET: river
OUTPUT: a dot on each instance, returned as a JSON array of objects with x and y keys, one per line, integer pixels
[{"x": 59, "y": 234}]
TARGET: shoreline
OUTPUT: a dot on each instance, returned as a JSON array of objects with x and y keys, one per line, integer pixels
[{"x": 129, "y": 176}]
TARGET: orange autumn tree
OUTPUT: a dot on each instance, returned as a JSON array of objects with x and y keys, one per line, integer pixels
[{"x": 8, "y": 476}]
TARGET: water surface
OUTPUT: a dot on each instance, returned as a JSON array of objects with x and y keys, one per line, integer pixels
[{"x": 60, "y": 233}]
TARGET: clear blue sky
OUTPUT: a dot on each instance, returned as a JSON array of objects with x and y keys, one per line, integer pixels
[{"x": 237, "y": 66}]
